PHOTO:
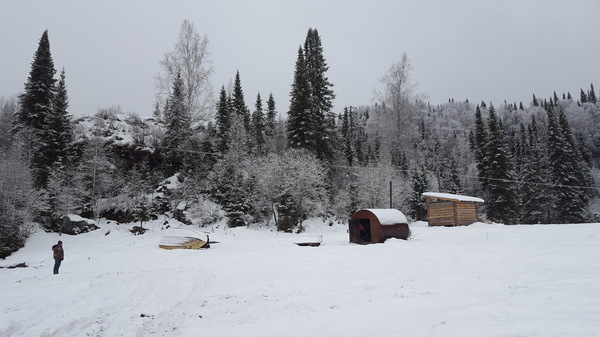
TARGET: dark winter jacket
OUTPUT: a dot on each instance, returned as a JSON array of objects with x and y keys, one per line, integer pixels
[{"x": 59, "y": 254}]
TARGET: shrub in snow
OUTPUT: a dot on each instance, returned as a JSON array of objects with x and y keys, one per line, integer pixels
[
  {"x": 289, "y": 215},
  {"x": 142, "y": 211},
  {"x": 203, "y": 212},
  {"x": 74, "y": 224},
  {"x": 137, "y": 230}
]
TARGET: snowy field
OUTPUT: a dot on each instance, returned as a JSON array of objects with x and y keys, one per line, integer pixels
[{"x": 480, "y": 280}]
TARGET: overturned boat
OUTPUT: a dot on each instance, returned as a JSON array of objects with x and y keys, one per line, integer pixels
[{"x": 184, "y": 238}]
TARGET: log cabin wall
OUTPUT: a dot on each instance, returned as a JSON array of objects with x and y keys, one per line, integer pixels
[{"x": 451, "y": 213}]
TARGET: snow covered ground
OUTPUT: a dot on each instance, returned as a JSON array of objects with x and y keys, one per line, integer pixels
[{"x": 480, "y": 280}]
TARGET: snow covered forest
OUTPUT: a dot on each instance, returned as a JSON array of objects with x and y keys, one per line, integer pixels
[{"x": 202, "y": 157}]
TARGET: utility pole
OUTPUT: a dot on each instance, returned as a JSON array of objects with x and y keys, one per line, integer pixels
[{"x": 390, "y": 194}]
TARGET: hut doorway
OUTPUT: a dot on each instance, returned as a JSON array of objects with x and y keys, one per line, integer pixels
[{"x": 365, "y": 230}]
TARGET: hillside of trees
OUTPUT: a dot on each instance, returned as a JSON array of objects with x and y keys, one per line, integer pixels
[{"x": 200, "y": 158}]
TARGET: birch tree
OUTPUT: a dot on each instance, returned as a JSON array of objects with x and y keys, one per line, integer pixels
[
  {"x": 396, "y": 108},
  {"x": 191, "y": 57}
]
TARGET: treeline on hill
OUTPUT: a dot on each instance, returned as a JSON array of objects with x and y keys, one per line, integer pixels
[{"x": 534, "y": 164}]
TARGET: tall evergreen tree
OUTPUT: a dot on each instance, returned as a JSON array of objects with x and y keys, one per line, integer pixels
[
  {"x": 271, "y": 116},
  {"x": 178, "y": 129},
  {"x": 348, "y": 135},
  {"x": 449, "y": 177},
  {"x": 258, "y": 126},
  {"x": 36, "y": 105},
  {"x": 275, "y": 132},
  {"x": 57, "y": 143},
  {"x": 503, "y": 204},
  {"x": 223, "y": 121},
  {"x": 36, "y": 102},
  {"x": 300, "y": 123},
  {"x": 240, "y": 110},
  {"x": 581, "y": 170},
  {"x": 322, "y": 96},
  {"x": 59, "y": 131},
  {"x": 570, "y": 203},
  {"x": 583, "y": 97},
  {"x": 535, "y": 179},
  {"x": 592, "y": 94},
  {"x": 480, "y": 147},
  {"x": 417, "y": 204}
]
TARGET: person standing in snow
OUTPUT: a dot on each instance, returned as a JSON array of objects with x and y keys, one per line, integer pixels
[{"x": 59, "y": 255}]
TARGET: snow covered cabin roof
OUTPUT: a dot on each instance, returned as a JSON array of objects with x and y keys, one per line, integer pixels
[
  {"x": 453, "y": 197},
  {"x": 388, "y": 216}
]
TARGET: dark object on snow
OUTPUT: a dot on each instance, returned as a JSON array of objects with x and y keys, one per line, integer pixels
[
  {"x": 20, "y": 265},
  {"x": 309, "y": 241},
  {"x": 137, "y": 230},
  {"x": 377, "y": 225},
  {"x": 73, "y": 225},
  {"x": 445, "y": 209}
]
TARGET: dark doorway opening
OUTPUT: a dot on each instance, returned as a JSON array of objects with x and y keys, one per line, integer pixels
[{"x": 365, "y": 230}]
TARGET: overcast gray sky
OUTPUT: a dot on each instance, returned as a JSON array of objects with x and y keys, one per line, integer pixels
[{"x": 476, "y": 49}]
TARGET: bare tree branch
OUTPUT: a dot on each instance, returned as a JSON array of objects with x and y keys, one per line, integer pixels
[{"x": 192, "y": 57}]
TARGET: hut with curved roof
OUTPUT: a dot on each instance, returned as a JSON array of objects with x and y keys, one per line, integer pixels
[{"x": 377, "y": 225}]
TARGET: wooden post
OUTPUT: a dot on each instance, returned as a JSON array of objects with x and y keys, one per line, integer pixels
[{"x": 390, "y": 194}]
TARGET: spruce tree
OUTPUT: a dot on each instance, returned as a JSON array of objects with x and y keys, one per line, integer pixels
[
  {"x": 583, "y": 97},
  {"x": 322, "y": 96},
  {"x": 258, "y": 126},
  {"x": 534, "y": 179},
  {"x": 59, "y": 134},
  {"x": 449, "y": 177},
  {"x": 417, "y": 204},
  {"x": 36, "y": 104},
  {"x": 353, "y": 137},
  {"x": 223, "y": 122},
  {"x": 581, "y": 170},
  {"x": 271, "y": 115},
  {"x": 56, "y": 144},
  {"x": 592, "y": 94},
  {"x": 178, "y": 129},
  {"x": 480, "y": 147},
  {"x": 301, "y": 124},
  {"x": 347, "y": 131},
  {"x": 503, "y": 201},
  {"x": 570, "y": 201},
  {"x": 275, "y": 141},
  {"x": 240, "y": 110}
]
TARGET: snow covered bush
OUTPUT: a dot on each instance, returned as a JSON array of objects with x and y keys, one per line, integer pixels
[
  {"x": 17, "y": 197},
  {"x": 203, "y": 212},
  {"x": 293, "y": 183}
]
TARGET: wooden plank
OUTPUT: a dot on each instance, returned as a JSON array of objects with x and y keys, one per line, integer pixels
[
  {"x": 441, "y": 214},
  {"x": 442, "y": 220},
  {"x": 441, "y": 204},
  {"x": 466, "y": 216}
]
